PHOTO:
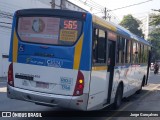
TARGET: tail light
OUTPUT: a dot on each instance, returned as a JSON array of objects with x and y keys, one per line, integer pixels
[
  {"x": 79, "y": 84},
  {"x": 10, "y": 75}
]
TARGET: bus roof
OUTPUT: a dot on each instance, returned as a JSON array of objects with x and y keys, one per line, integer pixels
[{"x": 119, "y": 29}]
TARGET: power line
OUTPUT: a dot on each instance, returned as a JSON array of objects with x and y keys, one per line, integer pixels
[
  {"x": 94, "y": 6},
  {"x": 156, "y": 10},
  {"x": 97, "y": 4},
  {"x": 5, "y": 26},
  {"x": 92, "y": 3},
  {"x": 6, "y": 31},
  {"x": 131, "y": 5},
  {"x": 5, "y": 16},
  {"x": 11, "y": 5},
  {"x": 6, "y": 23},
  {"x": 6, "y": 13}
]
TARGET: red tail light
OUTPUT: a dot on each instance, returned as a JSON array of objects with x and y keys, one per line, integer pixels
[
  {"x": 10, "y": 75},
  {"x": 79, "y": 84}
]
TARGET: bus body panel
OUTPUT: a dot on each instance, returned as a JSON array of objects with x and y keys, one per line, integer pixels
[
  {"x": 45, "y": 79},
  {"x": 131, "y": 76},
  {"x": 72, "y": 102},
  {"x": 98, "y": 89}
]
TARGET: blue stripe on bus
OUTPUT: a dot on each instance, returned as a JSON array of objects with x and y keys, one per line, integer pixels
[
  {"x": 85, "y": 63},
  {"x": 11, "y": 39},
  {"x": 63, "y": 60}
]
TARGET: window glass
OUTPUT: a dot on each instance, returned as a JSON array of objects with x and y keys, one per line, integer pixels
[
  {"x": 120, "y": 50},
  {"x": 139, "y": 53},
  {"x": 135, "y": 53},
  {"x": 49, "y": 30},
  {"x": 95, "y": 45},
  {"x": 145, "y": 54},
  {"x": 99, "y": 46},
  {"x": 128, "y": 51},
  {"x": 142, "y": 51}
]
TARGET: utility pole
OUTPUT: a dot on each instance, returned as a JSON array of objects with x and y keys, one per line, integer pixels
[
  {"x": 105, "y": 13},
  {"x": 53, "y": 4},
  {"x": 58, "y": 4}
]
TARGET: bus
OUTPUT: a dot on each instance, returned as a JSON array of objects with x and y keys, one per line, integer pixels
[{"x": 74, "y": 60}]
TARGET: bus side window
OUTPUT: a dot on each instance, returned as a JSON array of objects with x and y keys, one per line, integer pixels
[
  {"x": 117, "y": 49},
  {"x": 139, "y": 53},
  {"x": 128, "y": 51},
  {"x": 135, "y": 52},
  {"x": 145, "y": 53},
  {"x": 121, "y": 50},
  {"x": 95, "y": 41},
  {"x": 99, "y": 46}
]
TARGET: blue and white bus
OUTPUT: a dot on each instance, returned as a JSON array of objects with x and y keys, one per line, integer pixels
[{"x": 74, "y": 60}]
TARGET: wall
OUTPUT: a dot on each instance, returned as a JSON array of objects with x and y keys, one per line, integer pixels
[{"x": 7, "y": 9}]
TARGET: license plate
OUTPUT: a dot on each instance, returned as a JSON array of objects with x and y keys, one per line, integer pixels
[{"x": 42, "y": 85}]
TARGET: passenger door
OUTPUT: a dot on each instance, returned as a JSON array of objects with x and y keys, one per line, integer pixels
[
  {"x": 99, "y": 82},
  {"x": 111, "y": 65}
]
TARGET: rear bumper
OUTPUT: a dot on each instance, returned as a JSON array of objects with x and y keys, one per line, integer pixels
[{"x": 48, "y": 99}]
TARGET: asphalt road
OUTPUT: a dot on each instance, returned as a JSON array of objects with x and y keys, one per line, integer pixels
[{"x": 147, "y": 100}]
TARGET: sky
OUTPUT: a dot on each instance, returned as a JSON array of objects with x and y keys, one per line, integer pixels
[{"x": 138, "y": 11}]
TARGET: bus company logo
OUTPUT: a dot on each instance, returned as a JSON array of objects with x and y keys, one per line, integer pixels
[
  {"x": 55, "y": 63},
  {"x": 38, "y": 25}
]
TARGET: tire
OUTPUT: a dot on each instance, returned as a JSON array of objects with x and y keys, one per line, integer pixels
[
  {"x": 118, "y": 97},
  {"x": 142, "y": 84},
  {"x": 139, "y": 91}
]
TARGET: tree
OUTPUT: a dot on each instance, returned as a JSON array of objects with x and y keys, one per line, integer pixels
[
  {"x": 155, "y": 19},
  {"x": 154, "y": 36},
  {"x": 132, "y": 24}
]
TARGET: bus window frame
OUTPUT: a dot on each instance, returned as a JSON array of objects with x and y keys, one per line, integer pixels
[
  {"x": 44, "y": 44},
  {"x": 96, "y": 26}
]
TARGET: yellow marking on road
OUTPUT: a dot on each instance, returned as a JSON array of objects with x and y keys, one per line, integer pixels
[
  {"x": 132, "y": 103},
  {"x": 3, "y": 89}
]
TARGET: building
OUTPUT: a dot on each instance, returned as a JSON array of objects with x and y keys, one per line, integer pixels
[
  {"x": 7, "y": 9},
  {"x": 146, "y": 28}
]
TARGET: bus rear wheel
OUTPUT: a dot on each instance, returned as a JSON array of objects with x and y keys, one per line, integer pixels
[
  {"x": 142, "y": 84},
  {"x": 118, "y": 97}
]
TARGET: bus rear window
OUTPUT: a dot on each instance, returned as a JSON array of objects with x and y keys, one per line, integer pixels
[{"x": 49, "y": 30}]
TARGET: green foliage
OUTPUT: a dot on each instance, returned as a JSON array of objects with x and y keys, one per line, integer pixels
[
  {"x": 156, "y": 20},
  {"x": 154, "y": 36},
  {"x": 132, "y": 24}
]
